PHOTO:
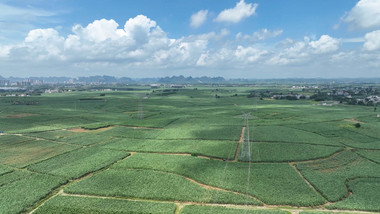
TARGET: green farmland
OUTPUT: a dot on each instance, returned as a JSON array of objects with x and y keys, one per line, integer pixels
[{"x": 187, "y": 151}]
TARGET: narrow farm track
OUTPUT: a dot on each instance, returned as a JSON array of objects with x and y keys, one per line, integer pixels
[
  {"x": 323, "y": 158},
  {"x": 343, "y": 144},
  {"x": 239, "y": 144},
  {"x": 373, "y": 161},
  {"x": 59, "y": 190},
  {"x": 208, "y": 186},
  {"x": 40, "y": 138},
  {"x": 139, "y": 127},
  {"x": 308, "y": 183},
  {"x": 180, "y": 205},
  {"x": 304, "y": 143},
  {"x": 233, "y": 160},
  {"x": 349, "y": 192}
]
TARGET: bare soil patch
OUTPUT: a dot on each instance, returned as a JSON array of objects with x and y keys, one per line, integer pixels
[
  {"x": 354, "y": 120},
  {"x": 82, "y": 130},
  {"x": 21, "y": 115},
  {"x": 204, "y": 185},
  {"x": 239, "y": 143}
]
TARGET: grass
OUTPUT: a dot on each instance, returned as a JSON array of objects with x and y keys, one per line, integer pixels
[
  {"x": 330, "y": 176},
  {"x": 5, "y": 169},
  {"x": 365, "y": 195},
  {"x": 212, "y": 148},
  {"x": 71, "y": 137},
  {"x": 23, "y": 153},
  {"x": 84, "y": 205},
  {"x": 23, "y": 189},
  {"x": 285, "y": 152},
  {"x": 287, "y": 134},
  {"x": 271, "y": 183},
  {"x": 224, "y": 210},
  {"x": 41, "y": 138},
  {"x": 149, "y": 184},
  {"x": 373, "y": 155},
  {"x": 79, "y": 162}
]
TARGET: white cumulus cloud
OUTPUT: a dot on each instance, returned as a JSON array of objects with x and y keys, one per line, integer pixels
[
  {"x": 99, "y": 30},
  {"x": 197, "y": 19},
  {"x": 303, "y": 51},
  {"x": 249, "y": 54},
  {"x": 365, "y": 15},
  {"x": 325, "y": 44},
  {"x": 141, "y": 47},
  {"x": 238, "y": 13},
  {"x": 372, "y": 41}
]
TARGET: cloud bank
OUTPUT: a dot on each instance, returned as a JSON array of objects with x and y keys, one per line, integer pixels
[{"x": 141, "y": 47}]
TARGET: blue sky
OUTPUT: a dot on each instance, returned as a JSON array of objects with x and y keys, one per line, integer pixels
[{"x": 152, "y": 38}]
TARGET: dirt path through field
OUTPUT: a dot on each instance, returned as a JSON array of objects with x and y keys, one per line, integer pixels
[
  {"x": 139, "y": 127},
  {"x": 59, "y": 190},
  {"x": 308, "y": 183},
  {"x": 239, "y": 143},
  {"x": 22, "y": 115},
  {"x": 180, "y": 205}
]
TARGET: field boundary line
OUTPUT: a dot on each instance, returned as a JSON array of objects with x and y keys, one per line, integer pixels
[
  {"x": 239, "y": 143},
  {"x": 307, "y": 181},
  {"x": 224, "y": 173},
  {"x": 180, "y": 154},
  {"x": 322, "y": 158},
  {"x": 41, "y": 138},
  {"x": 59, "y": 189},
  {"x": 362, "y": 156},
  {"x": 305, "y": 143},
  {"x": 179, "y": 139},
  {"x": 349, "y": 192},
  {"x": 236, "y": 206},
  {"x": 138, "y": 127},
  {"x": 232, "y": 160},
  {"x": 63, "y": 153},
  {"x": 200, "y": 184}
]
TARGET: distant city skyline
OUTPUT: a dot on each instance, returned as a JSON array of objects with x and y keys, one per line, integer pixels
[{"x": 156, "y": 38}]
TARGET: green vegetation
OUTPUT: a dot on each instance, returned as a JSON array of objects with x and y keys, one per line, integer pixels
[
  {"x": 79, "y": 162},
  {"x": 223, "y": 210},
  {"x": 267, "y": 180},
  {"x": 95, "y": 126},
  {"x": 125, "y": 151},
  {"x": 28, "y": 151},
  {"x": 5, "y": 169},
  {"x": 212, "y": 148},
  {"x": 151, "y": 184},
  {"x": 373, "y": 155},
  {"x": 322, "y": 212},
  {"x": 287, "y": 134},
  {"x": 20, "y": 190},
  {"x": 365, "y": 195},
  {"x": 330, "y": 176},
  {"x": 280, "y": 152},
  {"x": 84, "y": 205},
  {"x": 72, "y": 137}
]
